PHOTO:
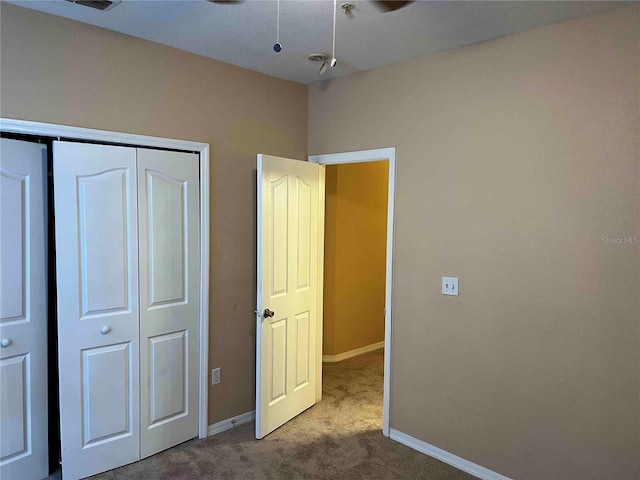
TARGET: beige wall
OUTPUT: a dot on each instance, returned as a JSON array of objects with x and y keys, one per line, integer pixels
[
  {"x": 354, "y": 255},
  {"x": 60, "y": 71},
  {"x": 518, "y": 161}
]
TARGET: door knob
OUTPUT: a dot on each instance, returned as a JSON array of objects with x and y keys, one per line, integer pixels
[
  {"x": 104, "y": 330},
  {"x": 5, "y": 342},
  {"x": 268, "y": 313}
]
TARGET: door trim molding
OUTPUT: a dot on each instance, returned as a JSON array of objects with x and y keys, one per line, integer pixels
[
  {"x": 64, "y": 131},
  {"x": 358, "y": 157}
]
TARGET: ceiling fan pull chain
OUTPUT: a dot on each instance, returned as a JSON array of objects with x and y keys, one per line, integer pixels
[
  {"x": 333, "y": 52},
  {"x": 323, "y": 57},
  {"x": 277, "y": 46}
]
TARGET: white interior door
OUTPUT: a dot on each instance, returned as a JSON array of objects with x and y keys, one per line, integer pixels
[
  {"x": 97, "y": 275},
  {"x": 23, "y": 311},
  {"x": 288, "y": 287},
  {"x": 168, "y": 193}
]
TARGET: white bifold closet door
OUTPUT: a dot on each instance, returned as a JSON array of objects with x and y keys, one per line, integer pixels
[
  {"x": 127, "y": 241},
  {"x": 23, "y": 311},
  {"x": 168, "y": 192},
  {"x": 96, "y": 224}
]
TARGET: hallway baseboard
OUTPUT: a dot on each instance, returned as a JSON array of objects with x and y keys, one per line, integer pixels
[
  {"x": 352, "y": 353},
  {"x": 229, "y": 423}
]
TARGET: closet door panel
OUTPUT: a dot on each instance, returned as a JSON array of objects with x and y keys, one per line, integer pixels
[
  {"x": 168, "y": 374},
  {"x": 168, "y": 206},
  {"x": 23, "y": 314},
  {"x": 107, "y": 374},
  {"x": 105, "y": 246},
  {"x": 98, "y": 314}
]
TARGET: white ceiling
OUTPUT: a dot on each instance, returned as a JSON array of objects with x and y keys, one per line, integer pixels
[{"x": 243, "y": 33}]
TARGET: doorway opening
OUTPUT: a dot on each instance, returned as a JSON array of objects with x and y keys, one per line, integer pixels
[
  {"x": 355, "y": 241},
  {"x": 376, "y": 161}
]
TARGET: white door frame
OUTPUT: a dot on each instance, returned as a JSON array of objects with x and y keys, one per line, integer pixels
[
  {"x": 358, "y": 157},
  {"x": 78, "y": 133}
]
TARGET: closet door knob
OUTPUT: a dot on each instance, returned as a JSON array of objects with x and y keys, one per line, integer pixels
[
  {"x": 104, "y": 330},
  {"x": 5, "y": 342}
]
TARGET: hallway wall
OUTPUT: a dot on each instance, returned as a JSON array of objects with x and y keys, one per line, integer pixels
[{"x": 354, "y": 255}]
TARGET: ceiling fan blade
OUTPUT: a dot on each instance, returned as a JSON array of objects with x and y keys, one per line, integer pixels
[
  {"x": 391, "y": 5},
  {"x": 225, "y": 2}
]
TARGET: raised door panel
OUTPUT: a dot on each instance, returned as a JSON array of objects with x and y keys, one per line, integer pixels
[
  {"x": 106, "y": 374},
  {"x": 105, "y": 244},
  {"x": 168, "y": 371},
  {"x": 23, "y": 317},
  {"x": 303, "y": 234},
  {"x": 167, "y": 205},
  {"x": 15, "y": 437},
  {"x": 277, "y": 355},
  {"x": 98, "y": 315},
  {"x": 14, "y": 230},
  {"x": 302, "y": 345},
  {"x": 279, "y": 236},
  {"x": 168, "y": 209}
]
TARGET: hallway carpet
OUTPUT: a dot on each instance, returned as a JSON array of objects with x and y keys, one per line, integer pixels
[{"x": 339, "y": 438}]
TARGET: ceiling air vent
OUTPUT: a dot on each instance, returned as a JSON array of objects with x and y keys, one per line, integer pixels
[{"x": 97, "y": 4}]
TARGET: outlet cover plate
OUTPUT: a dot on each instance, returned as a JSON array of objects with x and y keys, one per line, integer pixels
[{"x": 450, "y": 286}]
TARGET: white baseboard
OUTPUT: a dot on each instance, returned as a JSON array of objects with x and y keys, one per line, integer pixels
[
  {"x": 228, "y": 424},
  {"x": 352, "y": 353},
  {"x": 446, "y": 457}
]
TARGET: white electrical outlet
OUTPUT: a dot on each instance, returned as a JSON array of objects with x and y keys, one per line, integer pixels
[
  {"x": 215, "y": 376},
  {"x": 450, "y": 286}
]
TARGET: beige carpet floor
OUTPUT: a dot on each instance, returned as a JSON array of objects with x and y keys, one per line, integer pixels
[{"x": 339, "y": 438}]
